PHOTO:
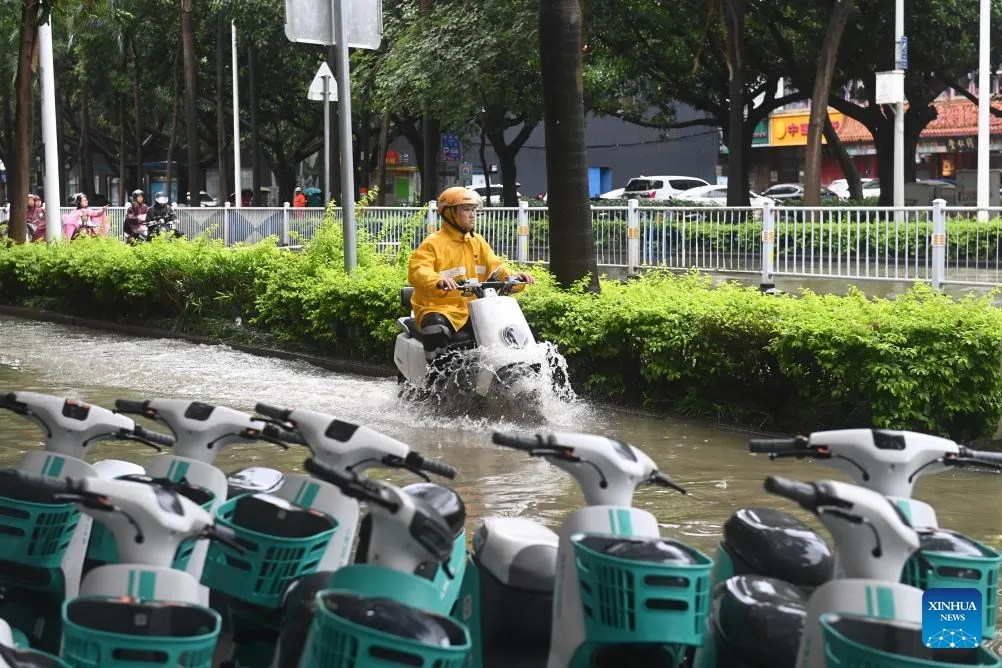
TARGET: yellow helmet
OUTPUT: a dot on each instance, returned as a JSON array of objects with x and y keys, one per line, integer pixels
[{"x": 458, "y": 195}]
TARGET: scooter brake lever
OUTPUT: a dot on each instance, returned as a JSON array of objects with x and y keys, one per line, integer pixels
[{"x": 974, "y": 463}]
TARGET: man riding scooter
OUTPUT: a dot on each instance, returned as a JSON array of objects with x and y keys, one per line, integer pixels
[{"x": 452, "y": 254}]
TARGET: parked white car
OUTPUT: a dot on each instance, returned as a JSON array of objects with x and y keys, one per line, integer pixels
[
  {"x": 841, "y": 188},
  {"x": 716, "y": 196},
  {"x": 660, "y": 187}
]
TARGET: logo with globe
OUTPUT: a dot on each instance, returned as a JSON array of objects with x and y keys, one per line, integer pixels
[{"x": 952, "y": 618}]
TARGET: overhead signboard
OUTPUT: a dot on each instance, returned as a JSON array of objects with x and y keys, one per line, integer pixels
[{"x": 312, "y": 22}]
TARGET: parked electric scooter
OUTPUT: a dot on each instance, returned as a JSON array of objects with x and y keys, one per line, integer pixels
[
  {"x": 311, "y": 525},
  {"x": 774, "y": 543},
  {"x": 608, "y": 589},
  {"x": 878, "y": 620},
  {"x": 501, "y": 355},
  {"x": 382, "y": 612},
  {"x": 44, "y": 566},
  {"x": 141, "y": 609}
]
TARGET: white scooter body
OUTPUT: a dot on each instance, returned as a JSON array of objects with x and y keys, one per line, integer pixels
[
  {"x": 890, "y": 458},
  {"x": 502, "y": 338},
  {"x": 201, "y": 431},
  {"x": 71, "y": 427},
  {"x": 145, "y": 570},
  {"x": 568, "y": 616},
  {"x": 874, "y": 552}
]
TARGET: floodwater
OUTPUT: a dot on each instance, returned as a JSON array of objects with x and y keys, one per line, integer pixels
[{"x": 713, "y": 464}]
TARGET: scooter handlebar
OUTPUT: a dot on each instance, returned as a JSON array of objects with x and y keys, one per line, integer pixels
[
  {"x": 132, "y": 407},
  {"x": 273, "y": 412},
  {"x": 778, "y": 445},
  {"x": 275, "y": 433},
  {"x": 802, "y": 493},
  {"x": 518, "y": 442},
  {"x": 417, "y": 460},
  {"x": 981, "y": 455},
  {"x": 152, "y": 437},
  {"x": 351, "y": 486}
]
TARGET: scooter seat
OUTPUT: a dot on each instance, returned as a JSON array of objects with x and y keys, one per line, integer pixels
[
  {"x": 519, "y": 553},
  {"x": 776, "y": 544},
  {"x": 409, "y": 327},
  {"x": 757, "y": 621}
]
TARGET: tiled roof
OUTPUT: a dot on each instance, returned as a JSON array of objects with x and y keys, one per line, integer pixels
[{"x": 954, "y": 118}]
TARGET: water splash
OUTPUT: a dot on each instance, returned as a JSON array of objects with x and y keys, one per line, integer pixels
[{"x": 527, "y": 394}]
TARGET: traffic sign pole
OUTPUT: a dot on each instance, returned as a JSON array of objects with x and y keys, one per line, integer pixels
[{"x": 339, "y": 7}]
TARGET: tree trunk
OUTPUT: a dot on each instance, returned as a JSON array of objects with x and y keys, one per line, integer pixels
[
  {"x": 430, "y": 138},
  {"x": 22, "y": 138},
  {"x": 255, "y": 120},
  {"x": 86, "y": 150},
  {"x": 222, "y": 162},
  {"x": 172, "y": 139},
  {"x": 845, "y": 160},
  {"x": 191, "y": 91},
  {"x": 819, "y": 99},
  {"x": 384, "y": 145},
  {"x": 138, "y": 111},
  {"x": 7, "y": 145},
  {"x": 121, "y": 150},
  {"x": 572, "y": 246},
  {"x": 737, "y": 193}
]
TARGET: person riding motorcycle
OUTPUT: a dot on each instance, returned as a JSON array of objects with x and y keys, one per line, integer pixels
[
  {"x": 135, "y": 216},
  {"x": 161, "y": 208},
  {"x": 454, "y": 253}
]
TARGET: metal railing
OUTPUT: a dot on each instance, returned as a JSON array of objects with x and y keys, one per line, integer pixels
[{"x": 936, "y": 244}]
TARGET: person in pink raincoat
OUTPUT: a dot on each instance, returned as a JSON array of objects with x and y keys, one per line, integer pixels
[{"x": 84, "y": 220}]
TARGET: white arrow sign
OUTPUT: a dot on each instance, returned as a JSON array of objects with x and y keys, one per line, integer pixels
[{"x": 316, "y": 91}]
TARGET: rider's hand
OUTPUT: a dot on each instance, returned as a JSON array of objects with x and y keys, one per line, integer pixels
[
  {"x": 525, "y": 277},
  {"x": 447, "y": 284}
]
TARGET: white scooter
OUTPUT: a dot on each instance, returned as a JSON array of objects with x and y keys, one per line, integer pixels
[
  {"x": 304, "y": 552},
  {"x": 43, "y": 568},
  {"x": 612, "y": 590},
  {"x": 502, "y": 354},
  {"x": 383, "y": 611},
  {"x": 879, "y": 617},
  {"x": 141, "y": 609},
  {"x": 774, "y": 543}
]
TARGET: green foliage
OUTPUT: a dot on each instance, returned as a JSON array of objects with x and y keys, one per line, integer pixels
[{"x": 921, "y": 361}]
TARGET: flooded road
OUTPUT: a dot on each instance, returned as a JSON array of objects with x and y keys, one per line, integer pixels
[{"x": 713, "y": 464}]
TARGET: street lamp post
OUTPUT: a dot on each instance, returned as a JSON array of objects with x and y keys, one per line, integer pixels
[{"x": 899, "y": 108}]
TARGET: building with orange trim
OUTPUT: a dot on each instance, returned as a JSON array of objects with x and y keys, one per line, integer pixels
[{"x": 948, "y": 143}]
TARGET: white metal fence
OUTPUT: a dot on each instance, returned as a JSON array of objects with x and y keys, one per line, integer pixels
[{"x": 938, "y": 244}]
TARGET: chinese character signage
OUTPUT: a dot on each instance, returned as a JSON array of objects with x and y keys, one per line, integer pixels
[
  {"x": 450, "y": 148},
  {"x": 792, "y": 129}
]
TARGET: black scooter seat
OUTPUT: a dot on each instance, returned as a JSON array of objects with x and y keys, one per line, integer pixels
[
  {"x": 762, "y": 541},
  {"x": 759, "y": 620}
]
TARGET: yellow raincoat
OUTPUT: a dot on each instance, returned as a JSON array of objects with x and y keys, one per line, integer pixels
[{"x": 449, "y": 253}]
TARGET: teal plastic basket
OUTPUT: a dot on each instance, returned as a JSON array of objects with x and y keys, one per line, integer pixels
[
  {"x": 282, "y": 543},
  {"x": 638, "y": 599},
  {"x": 334, "y": 640},
  {"x": 947, "y": 569},
  {"x": 102, "y": 546},
  {"x": 852, "y": 641},
  {"x": 34, "y": 532},
  {"x": 102, "y": 632}
]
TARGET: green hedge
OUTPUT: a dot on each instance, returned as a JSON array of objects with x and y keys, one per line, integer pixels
[{"x": 921, "y": 361}]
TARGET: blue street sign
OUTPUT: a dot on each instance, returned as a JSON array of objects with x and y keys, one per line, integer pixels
[
  {"x": 904, "y": 52},
  {"x": 450, "y": 148}
]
